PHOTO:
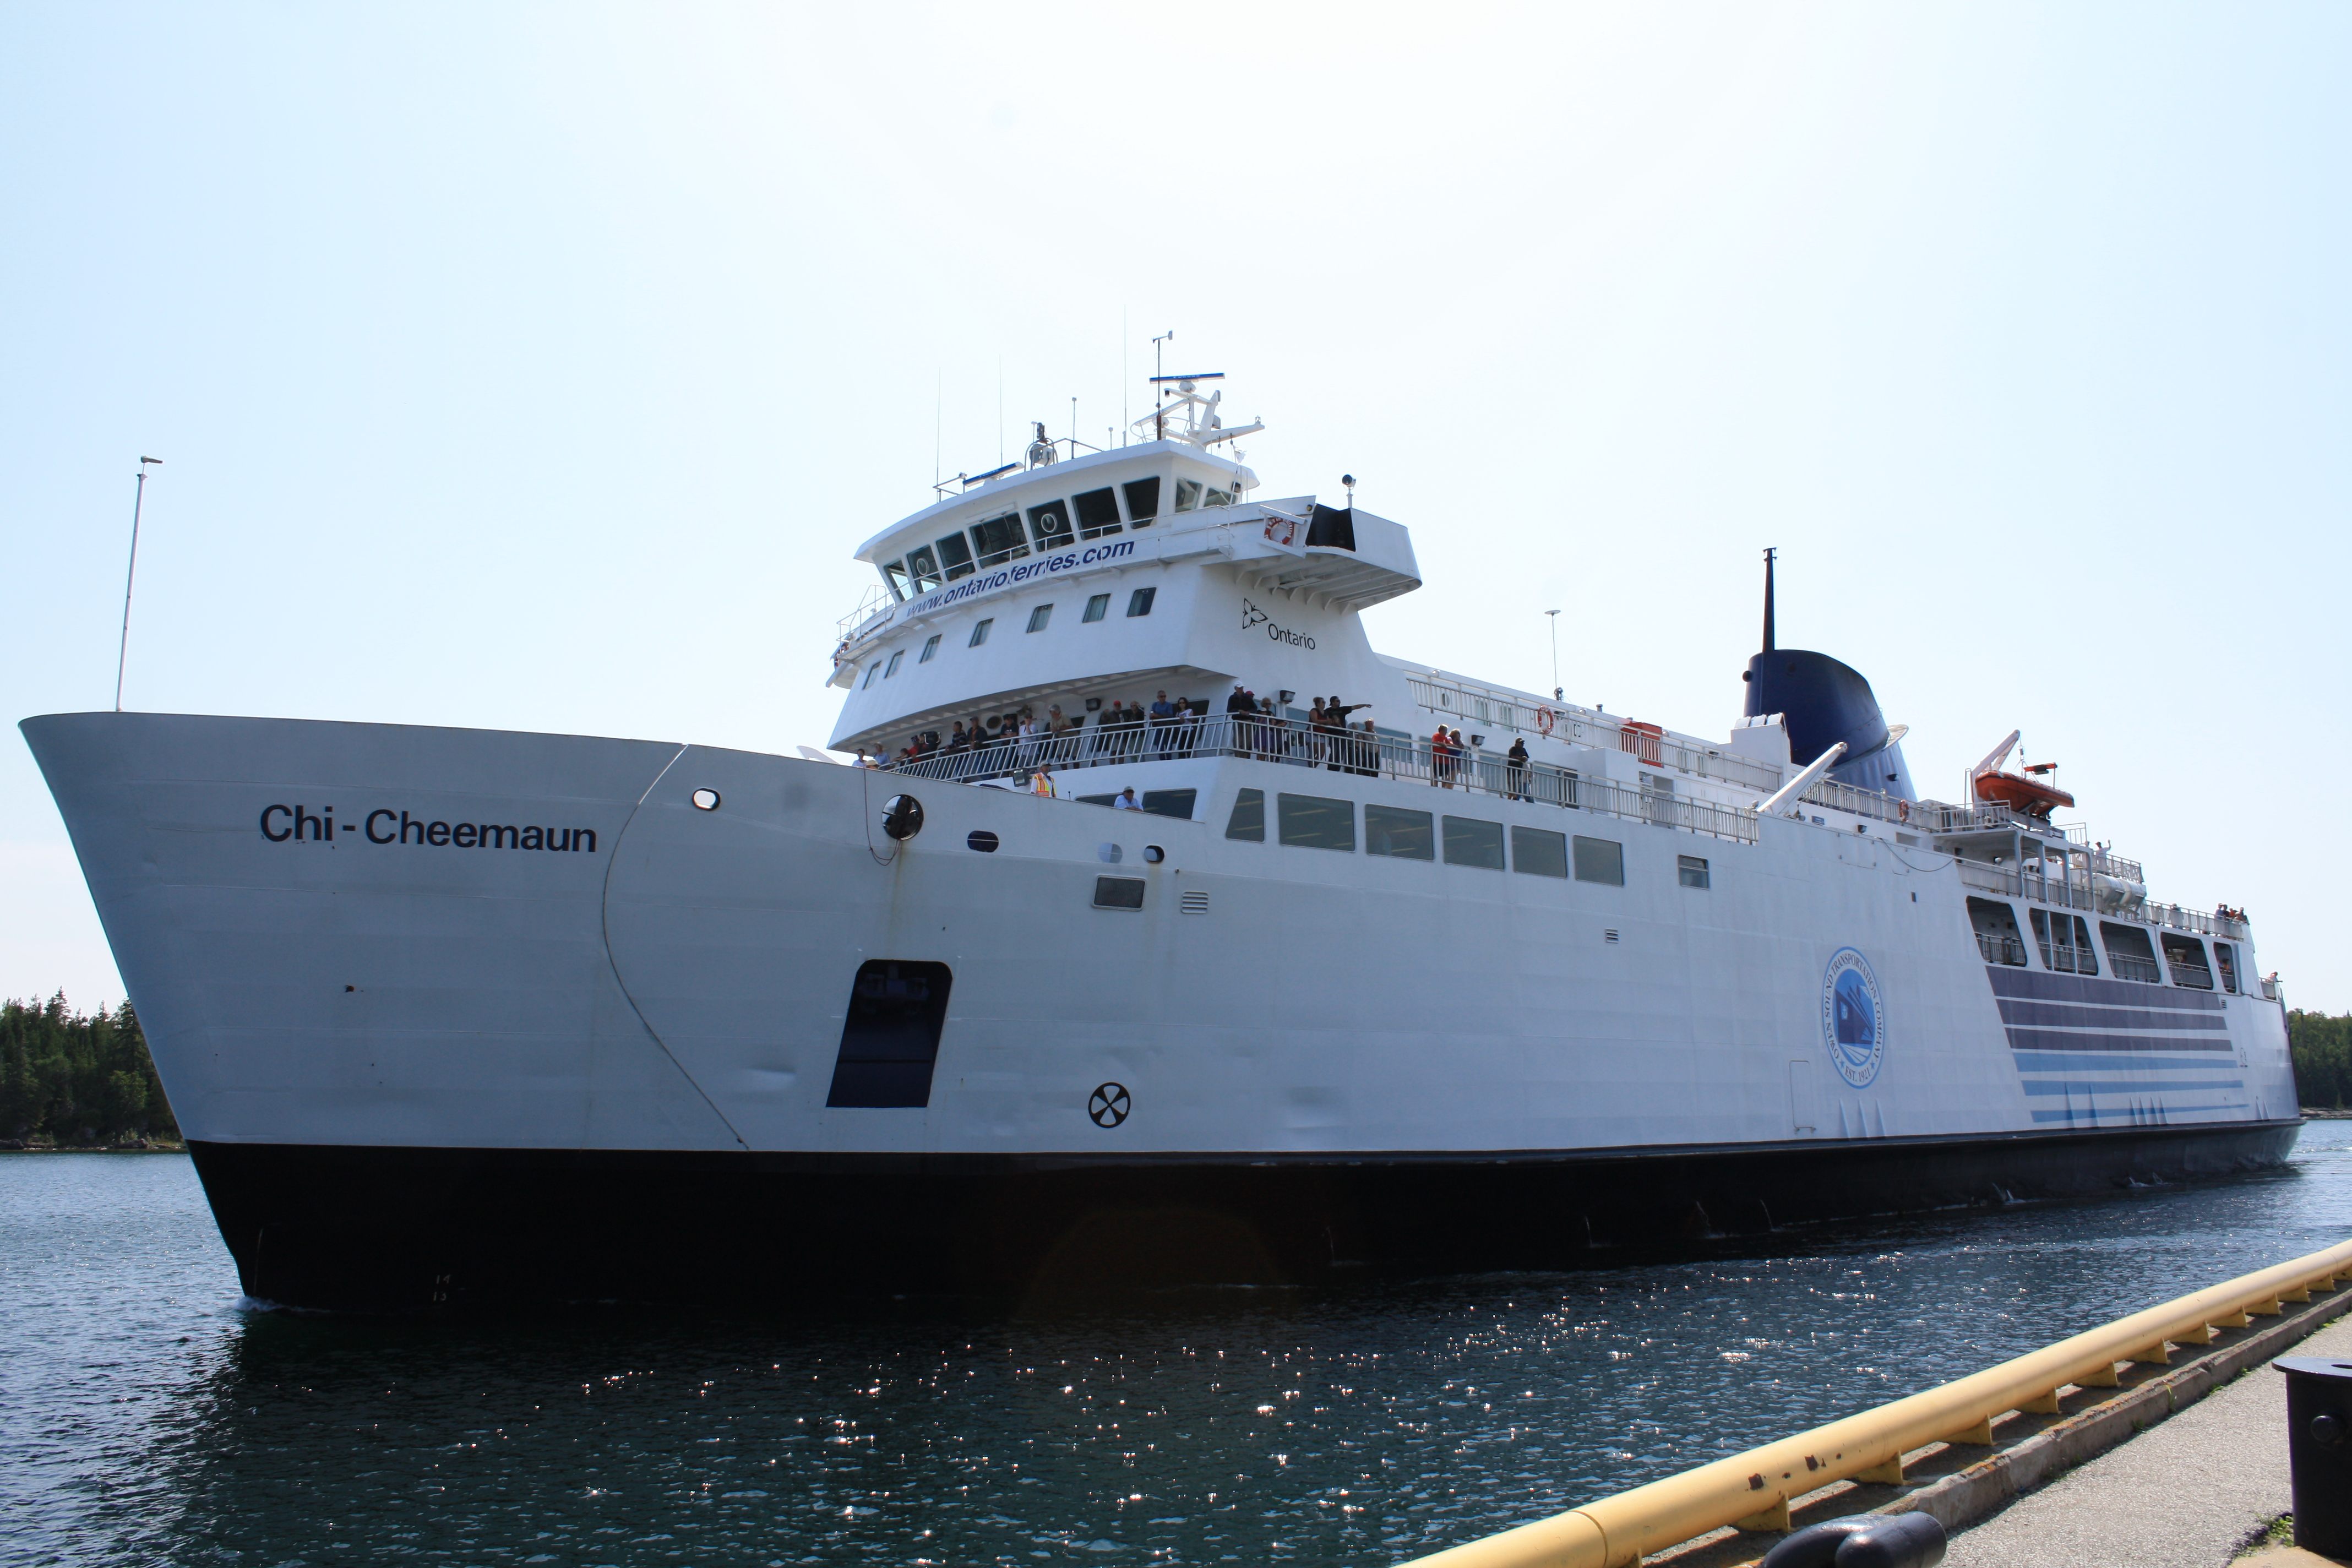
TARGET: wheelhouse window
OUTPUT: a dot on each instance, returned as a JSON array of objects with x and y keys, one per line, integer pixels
[
  {"x": 1188, "y": 494},
  {"x": 1038, "y": 618},
  {"x": 2130, "y": 956},
  {"x": 1139, "y": 602},
  {"x": 955, "y": 555},
  {"x": 1049, "y": 525},
  {"x": 1219, "y": 498},
  {"x": 1318, "y": 822},
  {"x": 1142, "y": 501},
  {"x": 1472, "y": 841},
  {"x": 924, "y": 567},
  {"x": 1097, "y": 608},
  {"x": 1098, "y": 512},
  {"x": 979, "y": 632},
  {"x": 1000, "y": 539},
  {"x": 930, "y": 648},
  {"x": 1394, "y": 831},
  {"x": 894, "y": 572}
]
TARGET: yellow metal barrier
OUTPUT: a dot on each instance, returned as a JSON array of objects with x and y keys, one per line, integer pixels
[{"x": 1754, "y": 1490}]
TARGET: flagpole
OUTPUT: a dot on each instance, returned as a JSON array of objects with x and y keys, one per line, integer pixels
[{"x": 122, "y": 653}]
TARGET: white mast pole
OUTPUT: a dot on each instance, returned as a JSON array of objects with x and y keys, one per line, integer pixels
[{"x": 123, "y": 651}]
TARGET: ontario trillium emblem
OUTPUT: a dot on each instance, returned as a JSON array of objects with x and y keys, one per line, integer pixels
[{"x": 1854, "y": 1019}]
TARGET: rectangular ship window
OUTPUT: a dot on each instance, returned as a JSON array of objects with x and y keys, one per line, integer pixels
[
  {"x": 1248, "y": 820},
  {"x": 871, "y": 672},
  {"x": 956, "y": 555},
  {"x": 1142, "y": 501},
  {"x": 924, "y": 568},
  {"x": 890, "y": 1038},
  {"x": 979, "y": 632},
  {"x": 1219, "y": 498},
  {"x": 1175, "y": 803},
  {"x": 1470, "y": 841},
  {"x": 1118, "y": 892},
  {"x": 894, "y": 572},
  {"x": 1000, "y": 539},
  {"x": 2185, "y": 956},
  {"x": 930, "y": 648},
  {"x": 1049, "y": 525},
  {"x": 2130, "y": 956},
  {"x": 1097, "y": 608},
  {"x": 1690, "y": 871},
  {"x": 1039, "y": 616},
  {"x": 892, "y": 668},
  {"x": 1599, "y": 860},
  {"x": 1188, "y": 494},
  {"x": 1097, "y": 513},
  {"x": 1139, "y": 602},
  {"x": 1538, "y": 852},
  {"x": 1393, "y": 830},
  {"x": 2226, "y": 958},
  {"x": 1318, "y": 822}
]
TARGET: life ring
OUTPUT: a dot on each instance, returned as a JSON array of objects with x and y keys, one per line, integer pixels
[{"x": 1545, "y": 719}]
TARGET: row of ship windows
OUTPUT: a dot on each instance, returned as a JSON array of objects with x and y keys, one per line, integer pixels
[
  {"x": 1321, "y": 822},
  {"x": 1096, "y": 514},
  {"x": 1139, "y": 603},
  {"x": 2065, "y": 942}
]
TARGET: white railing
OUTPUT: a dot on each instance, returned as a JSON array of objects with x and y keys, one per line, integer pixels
[
  {"x": 1457, "y": 703},
  {"x": 2196, "y": 921},
  {"x": 2018, "y": 883},
  {"x": 1345, "y": 752}
]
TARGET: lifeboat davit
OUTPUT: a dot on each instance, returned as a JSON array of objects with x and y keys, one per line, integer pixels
[{"x": 2027, "y": 798}]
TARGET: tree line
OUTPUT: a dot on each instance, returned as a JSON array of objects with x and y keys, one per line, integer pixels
[
  {"x": 2322, "y": 1047},
  {"x": 77, "y": 1079}
]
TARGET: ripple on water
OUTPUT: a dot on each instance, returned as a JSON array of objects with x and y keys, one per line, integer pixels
[{"x": 144, "y": 1415}]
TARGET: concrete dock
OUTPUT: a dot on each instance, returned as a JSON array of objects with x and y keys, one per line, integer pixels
[{"x": 2189, "y": 1492}]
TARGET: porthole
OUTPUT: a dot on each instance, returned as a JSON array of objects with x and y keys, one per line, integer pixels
[
  {"x": 706, "y": 800},
  {"x": 982, "y": 840},
  {"x": 1153, "y": 854},
  {"x": 1110, "y": 854},
  {"x": 902, "y": 816}
]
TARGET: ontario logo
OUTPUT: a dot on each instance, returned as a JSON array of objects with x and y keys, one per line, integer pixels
[{"x": 1854, "y": 1018}]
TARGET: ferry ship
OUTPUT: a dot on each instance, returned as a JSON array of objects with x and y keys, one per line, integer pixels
[{"x": 1208, "y": 953}]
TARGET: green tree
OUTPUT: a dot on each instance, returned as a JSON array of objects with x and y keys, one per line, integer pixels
[
  {"x": 77, "y": 1078},
  {"x": 2321, "y": 1046}
]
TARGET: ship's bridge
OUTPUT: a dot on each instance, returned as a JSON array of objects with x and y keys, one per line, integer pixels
[{"x": 1138, "y": 537}]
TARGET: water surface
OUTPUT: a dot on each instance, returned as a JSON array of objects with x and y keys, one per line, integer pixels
[{"x": 149, "y": 1415}]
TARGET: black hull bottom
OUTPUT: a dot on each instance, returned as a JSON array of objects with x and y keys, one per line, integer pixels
[{"x": 397, "y": 1229}]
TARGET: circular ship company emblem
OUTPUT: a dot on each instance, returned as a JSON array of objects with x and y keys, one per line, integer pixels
[
  {"x": 1854, "y": 1018},
  {"x": 1108, "y": 1104}
]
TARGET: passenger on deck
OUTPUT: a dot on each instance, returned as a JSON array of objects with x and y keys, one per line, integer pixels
[
  {"x": 958, "y": 741},
  {"x": 1515, "y": 768},
  {"x": 1127, "y": 801},
  {"x": 1163, "y": 716},
  {"x": 1368, "y": 751}
]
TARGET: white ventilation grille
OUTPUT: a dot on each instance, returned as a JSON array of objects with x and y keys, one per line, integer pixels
[
  {"x": 1608, "y": 934},
  {"x": 1195, "y": 904}
]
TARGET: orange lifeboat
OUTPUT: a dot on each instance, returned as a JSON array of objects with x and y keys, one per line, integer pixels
[{"x": 2027, "y": 798}]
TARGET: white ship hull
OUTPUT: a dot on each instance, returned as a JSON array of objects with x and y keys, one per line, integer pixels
[{"x": 588, "y": 1047}]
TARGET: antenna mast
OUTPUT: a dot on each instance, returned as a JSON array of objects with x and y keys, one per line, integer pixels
[{"x": 1769, "y": 554}]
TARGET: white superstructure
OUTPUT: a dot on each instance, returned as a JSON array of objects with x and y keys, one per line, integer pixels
[{"x": 452, "y": 1013}]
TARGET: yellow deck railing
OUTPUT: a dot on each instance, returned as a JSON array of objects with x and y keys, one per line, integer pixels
[{"x": 1753, "y": 1489}]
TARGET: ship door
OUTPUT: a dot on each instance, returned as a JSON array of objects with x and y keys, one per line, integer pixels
[
  {"x": 890, "y": 1037},
  {"x": 1804, "y": 1101}
]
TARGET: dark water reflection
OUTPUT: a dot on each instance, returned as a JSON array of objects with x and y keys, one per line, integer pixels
[{"x": 146, "y": 1417}]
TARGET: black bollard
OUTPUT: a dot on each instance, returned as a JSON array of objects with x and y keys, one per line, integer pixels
[
  {"x": 2319, "y": 1451},
  {"x": 1863, "y": 1540}
]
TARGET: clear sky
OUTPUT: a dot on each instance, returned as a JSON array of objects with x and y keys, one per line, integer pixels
[{"x": 539, "y": 367}]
